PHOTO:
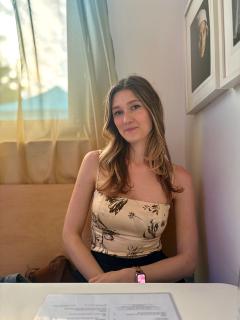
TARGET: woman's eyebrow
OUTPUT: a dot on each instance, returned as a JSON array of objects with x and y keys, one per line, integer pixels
[
  {"x": 132, "y": 101},
  {"x": 115, "y": 107},
  {"x": 128, "y": 103}
]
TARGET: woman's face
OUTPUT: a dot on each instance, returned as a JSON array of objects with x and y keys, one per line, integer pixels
[{"x": 131, "y": 117}]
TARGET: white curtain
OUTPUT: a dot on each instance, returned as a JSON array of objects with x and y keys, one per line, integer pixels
[{"x": 66, "y": 66}]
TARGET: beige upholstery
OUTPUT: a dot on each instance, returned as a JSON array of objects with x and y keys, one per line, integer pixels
[{"x": 31, "y": 221}]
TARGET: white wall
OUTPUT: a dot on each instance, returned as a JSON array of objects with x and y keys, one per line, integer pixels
[
  {"x": 148, "y": 40},
  {"x": 215, "y": 133}
]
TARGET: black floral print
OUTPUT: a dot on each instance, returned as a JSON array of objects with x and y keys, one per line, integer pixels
[
  {"x": 115, "y": 205},
  {"x": 151, "y": 230},
  {"x": 153, "y": 208},
  {"x": 133, "y": 215},
  {"x": 107, "y": 234},
  {"x": 134, "y": 251}
]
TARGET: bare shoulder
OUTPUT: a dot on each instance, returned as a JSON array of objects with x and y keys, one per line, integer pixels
[
  {"x": 181, "y": 176},
  {"x": 89, "y": 166},
  {"x": 91, "y": 158}
]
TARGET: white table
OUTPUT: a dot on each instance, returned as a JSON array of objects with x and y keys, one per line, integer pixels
[{"x": 196, "y": 301}]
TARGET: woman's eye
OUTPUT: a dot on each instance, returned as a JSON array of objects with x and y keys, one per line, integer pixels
[
  {"x": 117, "y": 113},
  {"x": 135, "y": 106}
]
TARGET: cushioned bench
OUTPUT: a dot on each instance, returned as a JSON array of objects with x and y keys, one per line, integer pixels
[{"x": 31, "y": 220}]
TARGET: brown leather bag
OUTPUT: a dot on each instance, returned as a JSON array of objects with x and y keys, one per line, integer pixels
[{"x": 59, "y": 269}]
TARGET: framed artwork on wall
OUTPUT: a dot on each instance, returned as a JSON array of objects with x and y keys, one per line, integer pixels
[
  {"x": 229, "y": 28},
  {"x": 202, "y": 53}
]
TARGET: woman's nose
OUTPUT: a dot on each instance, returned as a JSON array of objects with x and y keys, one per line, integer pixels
[{"x": 127, "y": 117}]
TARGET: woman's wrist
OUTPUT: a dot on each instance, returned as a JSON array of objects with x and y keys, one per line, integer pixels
[{"x": 129, "y": 274}]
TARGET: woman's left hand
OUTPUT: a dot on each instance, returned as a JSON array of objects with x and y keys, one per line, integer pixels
[{"x": 123, "y": 275}]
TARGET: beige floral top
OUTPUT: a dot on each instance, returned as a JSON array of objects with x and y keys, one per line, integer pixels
[{"x": 127, "y": 227}]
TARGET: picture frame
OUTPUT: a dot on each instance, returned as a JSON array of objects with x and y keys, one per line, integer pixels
[
  {"x": 229, "y": 29},
  {"x": 202, "y": 54}
]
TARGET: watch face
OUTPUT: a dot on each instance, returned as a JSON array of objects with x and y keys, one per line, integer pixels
[{"x": 141, "y": 278}]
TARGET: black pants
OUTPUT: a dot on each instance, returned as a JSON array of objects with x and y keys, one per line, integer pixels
[{"x": 113, "y": 263}]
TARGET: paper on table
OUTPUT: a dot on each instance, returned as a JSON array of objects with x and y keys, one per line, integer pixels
[{"x": 137, "y": 306}]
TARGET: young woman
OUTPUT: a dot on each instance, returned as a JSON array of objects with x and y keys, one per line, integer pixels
[{"x": 128, "y": 187}]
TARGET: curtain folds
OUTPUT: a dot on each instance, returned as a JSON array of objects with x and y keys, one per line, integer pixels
[{"x": 66, "y": 68}]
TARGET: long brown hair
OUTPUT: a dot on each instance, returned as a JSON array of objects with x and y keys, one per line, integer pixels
[{"x": 114, "y": 158}]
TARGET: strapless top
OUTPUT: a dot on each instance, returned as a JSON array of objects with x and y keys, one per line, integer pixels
[{"x": 126, "y": 227}]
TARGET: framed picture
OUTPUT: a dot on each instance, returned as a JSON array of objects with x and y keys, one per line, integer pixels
[
  {"x": 202, "y": 56},
  {"x": 229, "y": 23}
]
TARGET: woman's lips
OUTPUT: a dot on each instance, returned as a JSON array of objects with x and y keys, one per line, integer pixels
[{"x": 130, "y": 129}]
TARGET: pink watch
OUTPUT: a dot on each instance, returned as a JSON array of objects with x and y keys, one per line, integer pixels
[{"x": 140, "y": 275}]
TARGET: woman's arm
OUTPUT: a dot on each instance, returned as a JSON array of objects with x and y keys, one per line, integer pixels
[
  {"x": 76, "y": 217},
  {"x": 184, "y": 263}
]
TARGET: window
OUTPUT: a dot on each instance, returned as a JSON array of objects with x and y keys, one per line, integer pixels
[{"x": 41, "y": 75}]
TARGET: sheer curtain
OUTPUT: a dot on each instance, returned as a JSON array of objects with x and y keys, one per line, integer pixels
[{"x": 65, "y": 69}]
